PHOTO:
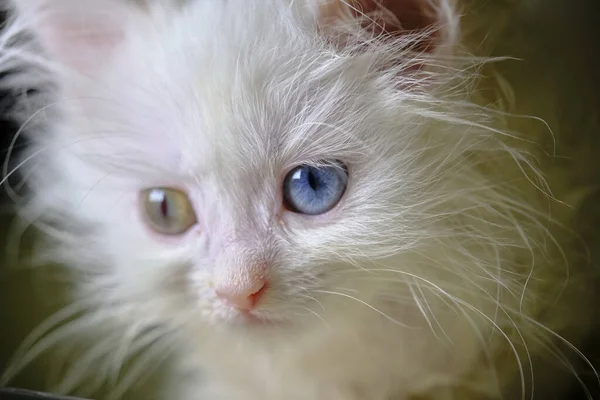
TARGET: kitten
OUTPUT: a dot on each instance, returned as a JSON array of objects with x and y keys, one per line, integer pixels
[{"x": 306, "y": 199}]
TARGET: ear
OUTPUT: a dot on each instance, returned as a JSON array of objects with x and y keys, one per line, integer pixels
[
  {"x": 79, "y": 34},
  {"x": 426, "y": 25}
]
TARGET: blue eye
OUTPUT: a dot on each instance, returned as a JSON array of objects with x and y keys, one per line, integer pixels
[{"x": 314, "y": 190}]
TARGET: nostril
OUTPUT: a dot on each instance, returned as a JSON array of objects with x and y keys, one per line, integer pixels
[
  {"x": 254, "y": 297},
  {"x": 243, "y": 298}
]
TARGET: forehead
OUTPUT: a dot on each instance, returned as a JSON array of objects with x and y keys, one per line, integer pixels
[
  {"x": 259, "y": 97},
  {"x": 270, "y": 101}
]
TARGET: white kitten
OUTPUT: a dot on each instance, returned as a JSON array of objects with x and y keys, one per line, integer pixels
[{"x": 298, "y": 202}]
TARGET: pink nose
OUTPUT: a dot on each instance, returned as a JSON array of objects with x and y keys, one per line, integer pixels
[{"x": 243, "y": 297}]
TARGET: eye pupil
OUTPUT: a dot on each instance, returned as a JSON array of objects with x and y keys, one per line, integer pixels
[
  {"x": 164, "y": 208},
  {"x": 314, "y": 190},
  {"x": 312, "y": 180}
]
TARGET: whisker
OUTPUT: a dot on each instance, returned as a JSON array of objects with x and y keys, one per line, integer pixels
[
  {"x": 46, "y": 343},
  {"x": 42, "y": 329},
  {"x": 80, "y": 368},
  {"x": 163, "y": 348},
  {"x": 365, "y": 304}
]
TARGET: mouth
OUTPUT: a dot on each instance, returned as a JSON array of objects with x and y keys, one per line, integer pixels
[{"x": 253, "y": 320}]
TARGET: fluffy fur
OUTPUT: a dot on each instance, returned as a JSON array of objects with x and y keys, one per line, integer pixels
[{"x": 449, "y": 270}]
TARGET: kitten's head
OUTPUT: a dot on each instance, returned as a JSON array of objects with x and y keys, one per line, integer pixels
[{"x": 252, "y": 160}]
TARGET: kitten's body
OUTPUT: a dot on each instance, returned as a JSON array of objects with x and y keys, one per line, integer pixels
[{"x": 445, "y": 261}]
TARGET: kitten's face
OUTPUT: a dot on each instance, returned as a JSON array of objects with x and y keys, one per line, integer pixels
[{"x": 241, "y": 176}]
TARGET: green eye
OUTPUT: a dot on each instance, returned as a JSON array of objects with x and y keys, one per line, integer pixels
[{"x": 168, "y": 211}]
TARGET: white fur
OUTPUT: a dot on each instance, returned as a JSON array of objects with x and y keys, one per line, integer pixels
[{"x": 431, "y": 274}]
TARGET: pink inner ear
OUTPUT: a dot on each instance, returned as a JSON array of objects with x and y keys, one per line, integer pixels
[
  {"x": 390, "y": 17},
  {"x": 82, "y": 48},
  {"x": 80, "y": 34}
]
